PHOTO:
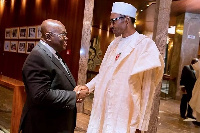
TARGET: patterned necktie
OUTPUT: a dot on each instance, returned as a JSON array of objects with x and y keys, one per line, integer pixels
[
  {"x": 59, "y": 57},
  {"x": 63, "y": 63}
]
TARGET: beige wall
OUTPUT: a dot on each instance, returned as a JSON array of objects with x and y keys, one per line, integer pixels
[{"x": 145, "y": 19}]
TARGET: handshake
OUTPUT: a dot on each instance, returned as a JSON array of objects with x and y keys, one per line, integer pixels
[{"x": 81, "y": 92}]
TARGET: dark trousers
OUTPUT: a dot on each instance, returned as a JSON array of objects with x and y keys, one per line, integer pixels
[{"x": 184, "y": 106}]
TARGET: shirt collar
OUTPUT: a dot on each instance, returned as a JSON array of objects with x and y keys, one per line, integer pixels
[{"x": 49, "y": 47}]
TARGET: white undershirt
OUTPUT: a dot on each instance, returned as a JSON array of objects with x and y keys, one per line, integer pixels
[{"x": 123, "y": 43}]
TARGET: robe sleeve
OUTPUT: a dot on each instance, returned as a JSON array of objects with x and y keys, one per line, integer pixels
[
  {"x": 147, "y": 96},
  {"x": 151, "y": 64},
  {"x": 91, "y": 84},
  {"x": 148, "y": 87}
]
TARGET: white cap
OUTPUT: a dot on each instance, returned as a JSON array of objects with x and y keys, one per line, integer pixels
[{"x": 124, "y": 9}]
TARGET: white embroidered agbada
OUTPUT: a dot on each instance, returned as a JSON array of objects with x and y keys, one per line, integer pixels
[
  {"x": 195, "y": 100},
  {"x": 124, "y": 88}
]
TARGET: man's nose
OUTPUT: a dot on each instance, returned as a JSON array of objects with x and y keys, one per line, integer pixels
[{"x": 111, "y": 25}]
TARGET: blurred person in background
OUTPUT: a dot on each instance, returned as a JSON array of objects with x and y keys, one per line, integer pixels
[{"x": 188, "y": 80}]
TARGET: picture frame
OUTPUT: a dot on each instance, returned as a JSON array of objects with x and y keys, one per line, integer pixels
[
  {"x": 7, "y": 33},
  {"x": 39, "y": 34},
  {"x": 13, "y": 46},
  {"x": 22, "y": 32},
  {"x": 6, "y": 45},
  {"x": 31, "y": 32},
  {"x": 29, "y": 46},
  {"x": 15, "y": 33},
  {"x": 22, "y": 47}
]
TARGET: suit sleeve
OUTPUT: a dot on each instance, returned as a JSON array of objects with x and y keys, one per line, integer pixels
[
  {"x": 183, "y": 76},
  {"x": 38, "y": 77}
]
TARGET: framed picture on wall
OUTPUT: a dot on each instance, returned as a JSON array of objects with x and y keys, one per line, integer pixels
[
  {"x": 31, "y": 32},
  {"x": 7, "y": 33},
  {"x": 22, "y": 47},
  {"x": 39, "y": 34},
  {"x": 13, "y": 46},
  {"x": 6, "y": 45},
  {"x": 29, "y": 46},
  {"x": 22, "y": 32},
  {"x": 14, "y": 33}
]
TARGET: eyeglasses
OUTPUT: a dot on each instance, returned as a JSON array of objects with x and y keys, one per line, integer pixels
[
  {"x": 112, "y": 21},
  {"x": 64, "y": 34}
]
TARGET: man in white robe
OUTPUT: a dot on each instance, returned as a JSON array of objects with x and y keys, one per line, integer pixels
[
  {"x": 128, "y": 76},
  {"x": 195, "y": 100}
]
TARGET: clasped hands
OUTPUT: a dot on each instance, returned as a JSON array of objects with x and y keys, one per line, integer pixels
[{"x": 81, "y": 92}]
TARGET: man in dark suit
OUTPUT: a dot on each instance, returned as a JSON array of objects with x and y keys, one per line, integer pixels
[
  {"x": 188, "y": 80},
  {"x": 50, "y": 87}
]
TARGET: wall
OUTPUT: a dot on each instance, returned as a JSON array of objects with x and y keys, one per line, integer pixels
[
  {"x": 186, "y": 45},
  {"x": 145, "y": 20},
  {"x": 18, "y": 13},
  {"x": 105, "y": 38}
]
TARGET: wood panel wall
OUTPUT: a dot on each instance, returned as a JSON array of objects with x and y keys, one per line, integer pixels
[
  {"x": 105, "y": 38},
  {"x": 33, "y": 12}
]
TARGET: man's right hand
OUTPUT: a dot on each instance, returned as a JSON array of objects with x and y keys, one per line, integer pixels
[{"x": 81, "y": 92}]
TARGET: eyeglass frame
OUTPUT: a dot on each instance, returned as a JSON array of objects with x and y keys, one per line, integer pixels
[
  {"x": 60, "y": 34},
  {"x": 113, "y": 20}
]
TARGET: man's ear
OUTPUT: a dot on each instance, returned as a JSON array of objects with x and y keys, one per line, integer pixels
[
  {"x": 48, "y": 36},
  {"x": 128, "y": 20}
]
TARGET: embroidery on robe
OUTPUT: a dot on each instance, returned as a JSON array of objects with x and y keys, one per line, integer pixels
[{"x": 117, "y": 56}]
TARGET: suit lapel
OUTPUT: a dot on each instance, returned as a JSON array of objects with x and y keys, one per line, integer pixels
[{"x": 58, "y": 64}]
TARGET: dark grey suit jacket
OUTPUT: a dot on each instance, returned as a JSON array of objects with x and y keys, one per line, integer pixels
[
  {"x": 188, "y": 79},
  {"x": 51, "y": 102}
]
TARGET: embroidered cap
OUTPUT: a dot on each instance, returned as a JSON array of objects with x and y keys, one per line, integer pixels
[{"x": 124, "y": 9}]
